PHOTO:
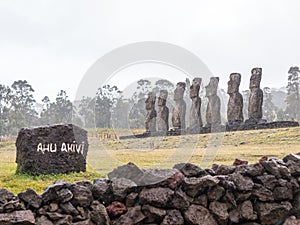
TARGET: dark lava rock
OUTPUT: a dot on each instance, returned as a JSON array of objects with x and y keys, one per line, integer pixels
[
  {"x": 99, "y": 214},
  {"x": 250, "y": 170},
  {"x": 198, "y": 215},
  {"x": 238, "y": 162},
  {"x": 242, "y": 183},
  {"x": 242, "y": 196},
  {"x": 270, "y": 213},
  {"x": 190, "y": 170},
  {"x": 276, "y": 169},
  {"x": 220, "y": 210},
  {"x": 292, "y": 157},
  {"x": 116, "y": 209},
  {"x": 268, "y": 181},
  {"x": 229, "y": 198},
  {"x": 85, "y": 183},
  {"x": 173, "y": 217},
  {"x": 215, "y": 193},
  {"x": 5, "y": 196},
  {"x": 201, "y": 200},
  {"x": 225, "y": 170},
  {"x": 296, "y": 202},
  {"x": 24, "y": 217},
  {"x": 31, "y": 198},
  {"x": 129, "y": 171},
  {"x": 58, "y": 192},
  {"x": 82, "y": 196},
  {"x": 192, "y": 186},
  {"x": 180, "y": 200},
  {"x": 132, "y": 217},
  {"x": 43, "y": 220},
  {"x": 161, "y": 177},
  {"x": 262, "y": 194},
  {"x": 52, "y": 149},
  {"x": 226, "y": 182},
  {"x": 243, "y": 212},
  {"x": 68, "y": 208},
  {"x": 294, "y": 168},
  {"x": 14, "y": 205},
  {"x": 153, "y": 214},
  {"x": 247, "y": 212},
  {"x": 131, "y": 199},
  {"x": 121, "y": 187},
  {"x": 102, "y": 190},
  {"x": 159, "y": 197},
  {"x": 283, "y": 193}
]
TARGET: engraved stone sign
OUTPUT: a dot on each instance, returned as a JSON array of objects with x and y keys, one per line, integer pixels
[{"x": 51, "y": 149}]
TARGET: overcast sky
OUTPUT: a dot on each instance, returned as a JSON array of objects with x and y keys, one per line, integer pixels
[{"x": 52, "y": 43}]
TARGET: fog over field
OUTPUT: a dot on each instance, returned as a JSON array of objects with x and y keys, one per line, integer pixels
[{"x": 52, "y": 44}]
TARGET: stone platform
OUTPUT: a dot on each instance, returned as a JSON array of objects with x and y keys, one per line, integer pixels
[{"x": 221, "y": 128}]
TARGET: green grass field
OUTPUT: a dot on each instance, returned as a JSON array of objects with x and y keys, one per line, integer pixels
[{"x": 158, "y": 152}]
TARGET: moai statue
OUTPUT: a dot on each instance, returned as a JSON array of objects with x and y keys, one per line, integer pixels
[
  {"x": 256, "y": 97},
  {"x": 235, "y": 104},
  {"x": 163, "y": 113},
  {"x": 195, "y": 119},
  {"x": 213, "y": 113},
  {"x": 178, "y": 117},
  {"x": 150, "y": 122}
]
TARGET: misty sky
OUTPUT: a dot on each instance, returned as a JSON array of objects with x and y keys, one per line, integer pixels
[{"x": 52, "y": 43}]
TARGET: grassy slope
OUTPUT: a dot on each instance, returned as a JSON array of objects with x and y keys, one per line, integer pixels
[{"x": 159, "y": 152}]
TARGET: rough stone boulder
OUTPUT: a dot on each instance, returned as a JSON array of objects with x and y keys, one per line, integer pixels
[
  {"x": 52, "y": 149},
  {"x": 270, "y": 213},
  {"x": 198, "y": 215},
  {"x": 24, "y": 217}
]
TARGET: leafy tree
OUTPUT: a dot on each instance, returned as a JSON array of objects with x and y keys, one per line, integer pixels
[
  {"x": 281, "y": 115},
  {"x": 22, "y": 103},
  {"x": 269, "y": 109},
  {"x": 138, "y": 112},
  {"x": 246, "y": 95},
  {"x": 5, "y": 98},
  {"x": 87, "y": 111},
  {"x": 45, "y": 116},
  {"x": 63, "y": 108},
  {"x": 165, "y": 85},
  {"x": 120, "y": 115},
  {"x": 105, "y": 99},
  {"x": 293, "y": 98},
  {"x": 60, "y": 111}
]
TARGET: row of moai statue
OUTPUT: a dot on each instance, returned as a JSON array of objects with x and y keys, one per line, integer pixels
[{"x": 159, "y": 122}]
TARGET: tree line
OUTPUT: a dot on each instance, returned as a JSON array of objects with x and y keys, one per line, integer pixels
[{"x": 109, "y": 108}]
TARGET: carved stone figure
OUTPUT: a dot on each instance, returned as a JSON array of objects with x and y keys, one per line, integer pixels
[
  {"x": 235, "y": 104},
  {"x": 195, "y": 119},
  {"x": 150, "y": 122},
  {"x": 256, "y": 96},
  {"x": 213, "y": 114},
  {"x": 179, "y": 110},
  {"x": 163, "y": 113}
]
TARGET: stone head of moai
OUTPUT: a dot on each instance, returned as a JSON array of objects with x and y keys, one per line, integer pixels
[
  {"x": 212, "y": 87},
  {"x": 195, "y": 87},
  {"x": 162, "y": 99},
  {"x": 234, "y": 83},
  {"x": 150, "y": 101},
  {"x": 255, "y": 78},
  {"x": 179, "y": 91}
]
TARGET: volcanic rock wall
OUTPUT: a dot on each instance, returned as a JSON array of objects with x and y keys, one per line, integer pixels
[{"x": 262, "y": 193}]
